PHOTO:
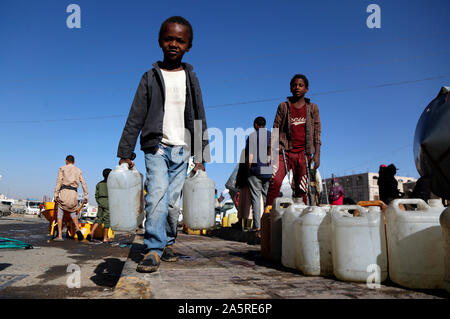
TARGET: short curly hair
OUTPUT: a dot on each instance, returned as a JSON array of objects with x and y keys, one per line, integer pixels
[
  {"x": 70, "y": 159},
  {"x": 106, "y": 172},
  {"x": 179, "y": 20},
  {"x": 260, "y": 121},
  {"x": 300, "y": 76}
]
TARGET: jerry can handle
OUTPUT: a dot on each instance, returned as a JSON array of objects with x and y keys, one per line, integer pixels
[
  {"x": 340, "y": 210},
  {"x": 421, "y": 204},
  {"x": 124, "y": 167},
  {"x": 281, "y": 201},
  {"x": 378, "y": 203},
  {"x": 197, "y": 173}
]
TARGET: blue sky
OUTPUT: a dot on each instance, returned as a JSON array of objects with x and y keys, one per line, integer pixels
[{"x": 68, "y": 91}]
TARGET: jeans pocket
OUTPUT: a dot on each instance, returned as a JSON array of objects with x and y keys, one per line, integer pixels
[{"x": 179, "y": 155}]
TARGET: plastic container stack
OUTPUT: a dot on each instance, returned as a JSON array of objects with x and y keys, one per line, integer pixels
[
  {"x": 125, "y": 194},
  {"x": 358, "y": 244},
  {"x": 415, "y": 244},
  {"x": 362, "y": 243},
  {"x": 313, "y": 253}
]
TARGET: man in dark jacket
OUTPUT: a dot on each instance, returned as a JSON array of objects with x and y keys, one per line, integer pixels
[
  {"x": 168, "y": 113},
  {"x": 257, "y": 149}
]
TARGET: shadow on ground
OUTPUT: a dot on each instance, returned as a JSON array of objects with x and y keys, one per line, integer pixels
[
  {"x": 107, "y": 274},
  {"x": 4, "y": 266}
]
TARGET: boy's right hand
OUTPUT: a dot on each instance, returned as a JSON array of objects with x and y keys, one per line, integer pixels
[{"x": 128, "y": 161}]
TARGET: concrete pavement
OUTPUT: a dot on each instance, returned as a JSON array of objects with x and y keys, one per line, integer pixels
[
  {"x": 224, "y": 265},
  {"x": 216, "y": 268},
  {"x": 50, "y": 269}
]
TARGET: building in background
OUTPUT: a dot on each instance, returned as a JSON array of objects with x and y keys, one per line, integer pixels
[{"x": 364, "y": 187}]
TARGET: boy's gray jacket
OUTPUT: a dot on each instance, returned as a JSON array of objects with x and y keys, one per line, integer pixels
[{"x": 147, "y": 114}]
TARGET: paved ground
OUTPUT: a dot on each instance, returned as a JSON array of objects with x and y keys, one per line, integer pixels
[
  {"x": 221, "y": 266},
  {"x": 211, "y": 267},
  {"x": 42, "y": 272}
]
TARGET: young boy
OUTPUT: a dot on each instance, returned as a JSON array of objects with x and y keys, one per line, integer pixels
[
  {"x": 66, "y": 196},
  {"x": 299, "y": 127},
  {"x": 168, "y": 112},
  {"x": 101, "y": 196}
]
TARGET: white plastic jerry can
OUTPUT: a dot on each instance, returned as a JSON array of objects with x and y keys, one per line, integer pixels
[
  {"x": 358, "y": 244},
  {"x": 198, "y": 201},
  {"x": 313, "y": 237},
  {"x": 415, "y": 244},
  {"x": 288, "y": 234},
  {"x": 280, "y": 205},
  {"x": 125, "y": 193},
  {"x": 445, "y": 224}
]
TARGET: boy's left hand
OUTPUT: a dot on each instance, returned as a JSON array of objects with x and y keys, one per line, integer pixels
[
  {"x": 316, "y": 162},
  {"x": 199, "y": 166}
]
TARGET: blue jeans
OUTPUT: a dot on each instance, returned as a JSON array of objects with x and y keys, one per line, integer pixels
[{"x": 166, "y": 172}]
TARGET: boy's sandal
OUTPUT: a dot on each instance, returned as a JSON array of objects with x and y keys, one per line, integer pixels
[{"x": 150, "y": 263}]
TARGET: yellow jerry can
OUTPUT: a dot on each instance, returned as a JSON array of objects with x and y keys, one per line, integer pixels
[
  {"x": 85, "y": 229},
  {"x": 225, "y": 222},
  {"x": 189, "y": 231},
  {"x": 98, "y": 234},
  {"x": 232, "y": 219}
]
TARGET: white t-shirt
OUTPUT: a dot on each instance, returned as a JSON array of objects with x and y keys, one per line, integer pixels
[{"x": 175, "y": 102}]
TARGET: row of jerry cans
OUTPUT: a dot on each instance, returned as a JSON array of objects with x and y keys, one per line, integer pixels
[{"x": 357, "y": 243}]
